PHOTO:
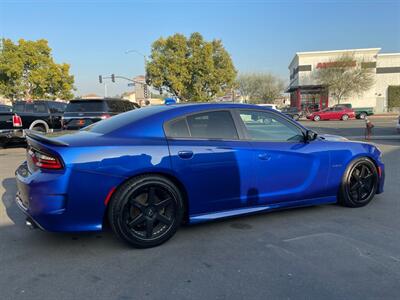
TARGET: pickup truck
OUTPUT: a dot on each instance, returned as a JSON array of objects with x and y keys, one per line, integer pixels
[
  {"x": 361, "y": 112},
  {"x": 39, "y": 115}
]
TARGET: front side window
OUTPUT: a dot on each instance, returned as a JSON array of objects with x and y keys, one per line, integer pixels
[
  {"x": 264, "y": 126},
  {"x": 207, "y": 125}
]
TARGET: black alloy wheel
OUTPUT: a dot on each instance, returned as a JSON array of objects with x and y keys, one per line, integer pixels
[
  {"x": 146, "y": 211},
  {"x": 359, "y": 184}
]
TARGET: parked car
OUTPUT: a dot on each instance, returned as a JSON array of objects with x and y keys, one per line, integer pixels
[
  {"x": 38, "y": 115},
  {"x": 5, "y": 108},
  {"x": 82, "y": 113},
  {"x": 271, "y": 106},
  {"x": 361, "y": 112},
  {"x": 148, "y": 170},
  {"x": 332, "y": 113},
  {"x": 293, "y": 112}
]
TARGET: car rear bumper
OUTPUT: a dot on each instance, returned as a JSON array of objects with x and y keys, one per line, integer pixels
[
  {"x": 59, "y": 201},
  {"x": 11, "y": 133}
]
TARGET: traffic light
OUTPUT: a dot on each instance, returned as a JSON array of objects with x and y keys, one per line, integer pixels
[
  {"x": 112, "y": 77},
  {"x": 145, "y": 91},
  {"x": 100, "y": 79}
]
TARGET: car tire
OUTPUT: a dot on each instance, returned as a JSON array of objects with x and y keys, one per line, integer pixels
[
  {"x": 359, "y": 183},
  {"x": 362, "y": 115},
  {"x": 146, "y": 211},
  {"x": 39, "y": 128},
  {"x": 345, "y": 118},
  {"x": 316, "y": 118}
]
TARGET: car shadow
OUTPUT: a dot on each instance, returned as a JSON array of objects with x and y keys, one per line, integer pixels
[{"x": 8, "y": 198}]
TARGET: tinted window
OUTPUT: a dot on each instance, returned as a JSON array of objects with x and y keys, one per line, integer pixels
[
  {"x": 212, "y": 125},
  {"x": 4, "y": 108},
  {"x": 29, "y": 107},
  {"x": 264, "y": 126},
  {"x": 177, "y": 128},
  {"x": 56, "y": 107},
  {"x": 117, "y": 106},
  {"x": 39, "y": 108},
  {"x": 19, "y": 107},
  {"x": 86, "y": 106}
]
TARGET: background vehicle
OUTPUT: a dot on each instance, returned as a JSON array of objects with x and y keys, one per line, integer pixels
[
  {"x": 293, "y": 112},
  {"x": 332, "y": 113},
  {"x": 272, "y": 106},
  {"x": 5, "y": 108},
  {"x": 82, "y": 113},
  {"x": 361, "y": 112},
  {"x": 147, "y": 170},
  {"x": 38, "y": 115}
]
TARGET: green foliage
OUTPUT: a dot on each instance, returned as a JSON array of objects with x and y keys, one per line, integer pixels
[
  {"x": 260, "y": 87},
  {"x": 344, "y": 77},
  {"x": 28, "y": 71},
  {"x": 394, "y": 96},
  {"x": 190, "y": 68}
]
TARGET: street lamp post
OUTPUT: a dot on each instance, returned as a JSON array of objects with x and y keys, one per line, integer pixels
[
  {"x": 145, "y": 68},
  {"x": 141, "y": 54}
]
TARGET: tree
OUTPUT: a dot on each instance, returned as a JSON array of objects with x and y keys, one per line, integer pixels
[
  {"x": 344, "y": 76},
  {"x": 28, "y": 71},
  {"x": 190, "y": 68},
  {"x": 260, "y": 87}
]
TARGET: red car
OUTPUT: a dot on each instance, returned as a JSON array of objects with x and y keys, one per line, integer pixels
[{"x": 333, "y": 113}]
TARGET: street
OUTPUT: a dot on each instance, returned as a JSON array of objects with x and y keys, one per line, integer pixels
[{"x": 321, "y": 252}]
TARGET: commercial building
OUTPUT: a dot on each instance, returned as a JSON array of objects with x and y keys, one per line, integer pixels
[{"x": 306, "y": 92}]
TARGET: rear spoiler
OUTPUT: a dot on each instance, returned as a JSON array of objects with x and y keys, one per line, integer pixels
[{"x": 41, "y": 138}]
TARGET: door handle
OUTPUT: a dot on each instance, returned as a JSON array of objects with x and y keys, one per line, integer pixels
[
  {"x": 264, "y": 156},
  {"x": 186, "y": 154}
]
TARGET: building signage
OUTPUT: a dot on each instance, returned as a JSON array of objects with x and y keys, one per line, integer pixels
[{"x": 336, "y": 64}]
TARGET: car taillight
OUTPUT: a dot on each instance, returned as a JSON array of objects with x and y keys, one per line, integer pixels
[
  {"x": 44, "y": 160},
  {"x": 17, "y": 121},
  {"x": 105, "y": 116}
]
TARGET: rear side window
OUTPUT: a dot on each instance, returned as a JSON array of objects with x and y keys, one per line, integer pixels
[
  {"x": 57, "y": 107},
  {"x": 5, "y": 109},
  {"x": 117, "y": 106},
  {"x": 19, "y": 107},
  {"x": 86, "y": 106},
  {"x": 177, "y": 128},
  {"x": 207, "y": 125},
  {"x": 39, "y": 108}
]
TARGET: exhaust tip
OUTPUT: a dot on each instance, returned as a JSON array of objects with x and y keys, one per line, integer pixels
[{"x": 30, "y": 223}]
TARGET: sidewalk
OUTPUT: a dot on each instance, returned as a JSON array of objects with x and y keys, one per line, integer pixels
[
  {"x": 384, "y": 115},
  {"x": 375, "y": 137}
]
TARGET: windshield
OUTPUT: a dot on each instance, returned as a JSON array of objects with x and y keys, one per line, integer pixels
[{"x": 86, "y": 106}]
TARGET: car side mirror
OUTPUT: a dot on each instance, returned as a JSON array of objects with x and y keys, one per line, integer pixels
[{"x": 310, "y": 136}]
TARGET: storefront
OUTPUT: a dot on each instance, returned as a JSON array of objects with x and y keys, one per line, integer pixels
[{"x": 307, "y": 94}]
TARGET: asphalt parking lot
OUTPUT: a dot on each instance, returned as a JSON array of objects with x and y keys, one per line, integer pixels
[{"x": 323, "y": 252}]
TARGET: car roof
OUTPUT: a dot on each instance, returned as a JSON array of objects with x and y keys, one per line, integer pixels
[{"x": 98, "y": 99}]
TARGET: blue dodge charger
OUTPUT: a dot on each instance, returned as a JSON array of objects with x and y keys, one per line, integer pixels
[{"x": 147, "y": 171}]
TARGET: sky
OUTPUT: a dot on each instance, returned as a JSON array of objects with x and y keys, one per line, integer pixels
[{"x": 261, "y": 36}]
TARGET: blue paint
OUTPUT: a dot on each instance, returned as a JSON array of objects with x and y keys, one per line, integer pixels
[{"x": 221, "y": 178}]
